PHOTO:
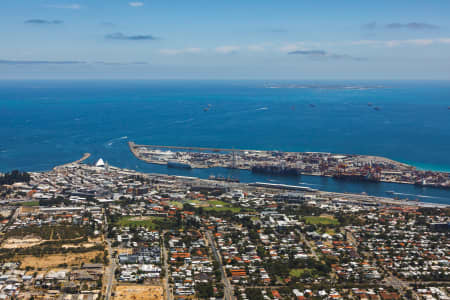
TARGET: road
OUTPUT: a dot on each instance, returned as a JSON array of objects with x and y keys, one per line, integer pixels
[
  {"x": 400, "y": 285},
  {"x": 309, "y": 244},
  {"x": 166, "y": 271},
  {"x": 10, "y": 222},
  {"x": 111, "y": 269},
  {"x": 228, "y": 290}
]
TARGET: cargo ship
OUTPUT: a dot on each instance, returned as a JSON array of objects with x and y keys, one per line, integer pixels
[
  {"x": 178, "y": 165},
  {"x": 357, "y": 177},
  {"x": 221, "y": 178},
  {"x": 275, "y": 170}
]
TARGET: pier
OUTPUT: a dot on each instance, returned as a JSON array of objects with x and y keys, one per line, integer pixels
[{"x": 83, "y": 158}]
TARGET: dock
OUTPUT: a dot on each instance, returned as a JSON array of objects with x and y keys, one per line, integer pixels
[{"x": 351, "y": 167}]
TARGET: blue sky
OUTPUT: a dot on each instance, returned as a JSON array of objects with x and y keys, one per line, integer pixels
[{"x": 225, "y": 39}]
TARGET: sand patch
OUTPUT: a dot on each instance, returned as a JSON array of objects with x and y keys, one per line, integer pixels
[
  {"x": 26, "y": 242},
  {"x": 138, "y": 292},
  {"x": 54, "y": 260}
]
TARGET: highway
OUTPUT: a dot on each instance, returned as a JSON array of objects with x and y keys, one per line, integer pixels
[{"x": 228, "y": 290}]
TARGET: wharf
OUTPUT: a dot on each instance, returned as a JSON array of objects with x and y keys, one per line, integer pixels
[
  {"x": 351, "y": 167},
  {"x": 133, "y": 145}
]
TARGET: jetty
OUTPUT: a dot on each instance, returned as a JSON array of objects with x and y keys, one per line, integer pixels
[{"x": 83, "y": 158}]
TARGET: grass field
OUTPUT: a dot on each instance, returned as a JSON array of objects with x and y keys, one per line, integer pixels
[
  {"x": 196, "y": 203},
  {"x": 312, "y": 220},
  {"x": 217, "y": 205},
  {"x": 298, "y": 272},
  {"x": 147, "y": 221},
  {"x": 176, "y": 204},
  {"x": 150, "y": 222},
  {"x": 29, "y": 203}
]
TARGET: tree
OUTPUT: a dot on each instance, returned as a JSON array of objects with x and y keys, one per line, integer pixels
[
  {"x": 14, "y": 176},
  {"x": 205, "y": 290}
]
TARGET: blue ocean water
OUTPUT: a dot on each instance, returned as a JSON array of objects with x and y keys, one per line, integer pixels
[{"x": 47, "y": 123}]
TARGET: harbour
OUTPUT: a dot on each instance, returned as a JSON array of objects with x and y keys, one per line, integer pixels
[
  {"x": 410, "y": 193},
  {"x": 339, "y": 166},
  {"x": 340, "y": 122}
]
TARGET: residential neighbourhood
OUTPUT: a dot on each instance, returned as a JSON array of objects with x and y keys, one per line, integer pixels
[{"x": 99, "y": 232}]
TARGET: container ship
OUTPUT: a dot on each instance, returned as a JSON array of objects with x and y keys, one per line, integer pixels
[
  {"x": 357, "y": 177},
  {"x": 178, "y": 165},
  {"x": 221, "y": 178},
  {"x": 275, "y": 170}
]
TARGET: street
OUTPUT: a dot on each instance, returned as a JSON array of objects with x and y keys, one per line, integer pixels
[{"x": 228, "y": 290}]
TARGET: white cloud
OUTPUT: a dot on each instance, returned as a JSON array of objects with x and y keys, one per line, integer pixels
[
  {"x": 181, "y": 51},
  {"x": 397, "y": 43},
  {"x": 65, "y": 6},
  {"x": 227, "y": 49},
  {"x": 136, "y": 4},
  {"x": 444, "y": 40},
  {"x": 298, "y": 46},
  {"x": 256, "y": 48},
  {"x": 293, "y": 47}
]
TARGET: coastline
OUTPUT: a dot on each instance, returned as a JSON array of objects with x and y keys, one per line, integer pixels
[
  {"x": 349, "y": 196},
  {"x": 269, "y": 180}
]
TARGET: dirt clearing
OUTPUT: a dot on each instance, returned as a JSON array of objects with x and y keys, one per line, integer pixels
[
  {"x": 54, "y": 260},
  {"x": 138, "y": 292}
]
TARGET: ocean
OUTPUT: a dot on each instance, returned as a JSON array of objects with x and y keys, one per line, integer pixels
[{"x": 47, "y": 123}]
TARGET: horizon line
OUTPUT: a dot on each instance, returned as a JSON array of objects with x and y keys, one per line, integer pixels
[{"x": 225, "y": 79}]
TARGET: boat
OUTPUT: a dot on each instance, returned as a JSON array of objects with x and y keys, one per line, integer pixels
[
  {"x": 275, "y": 170},
  {"x": 178, "y": 165},
  {"x": 221, "y": 178},
  {"x": 377, "y": 108},
  {"x": 390, "y": 192},
  {"x": 356, "y": 177}
]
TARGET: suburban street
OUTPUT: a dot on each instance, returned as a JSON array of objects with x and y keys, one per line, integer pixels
[
  {"x": 228, "y": 290},
  {"x": 166, "y": 271},
  {"x": 309, "y": 244},
  {"x": 110, "y": 270}
]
